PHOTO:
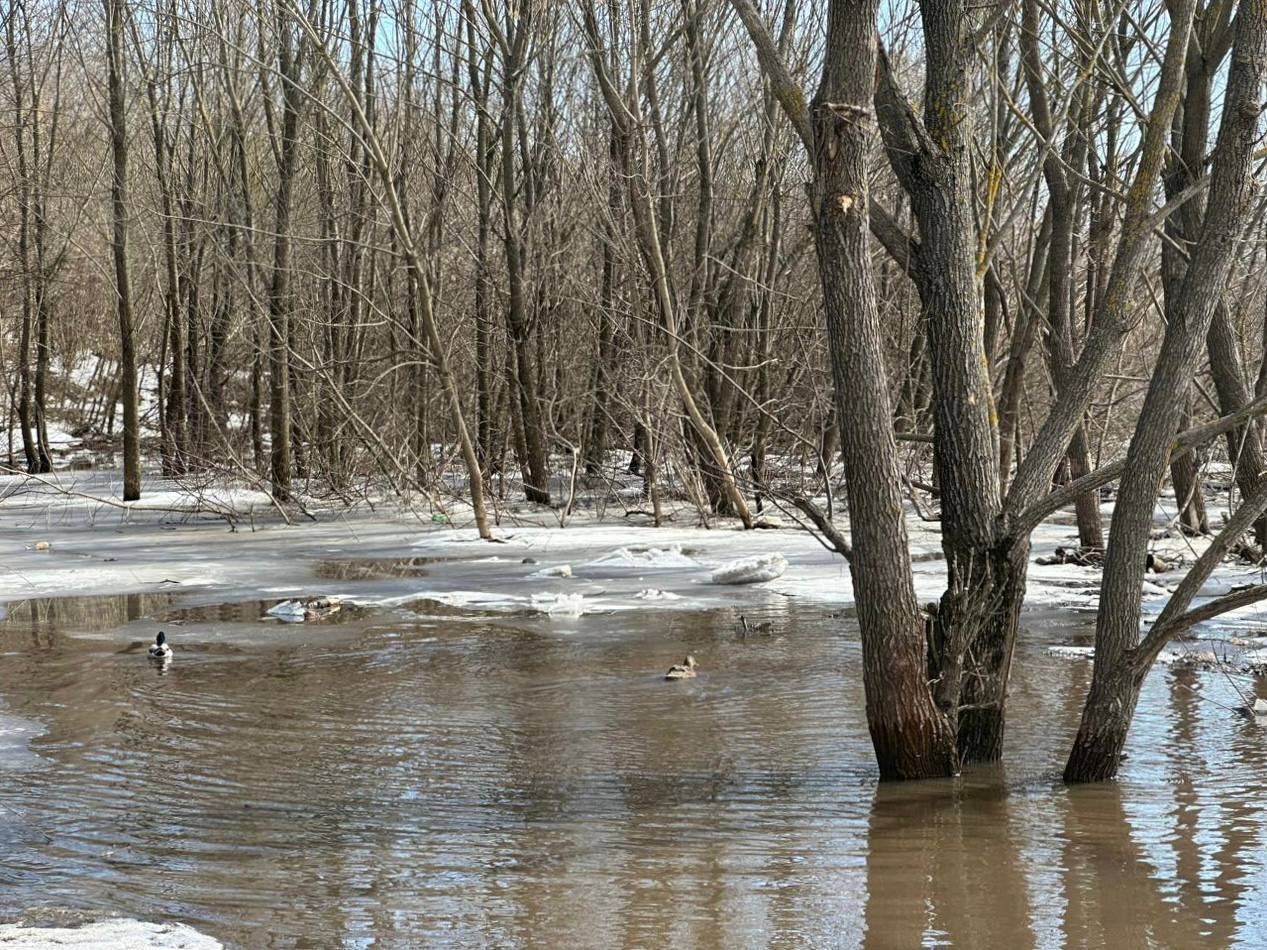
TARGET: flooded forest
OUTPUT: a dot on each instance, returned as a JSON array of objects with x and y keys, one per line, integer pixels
[{"x": 684, "y": 473}]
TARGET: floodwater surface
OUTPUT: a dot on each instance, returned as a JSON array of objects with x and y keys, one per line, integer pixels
[{"x": 406, "y": 781}]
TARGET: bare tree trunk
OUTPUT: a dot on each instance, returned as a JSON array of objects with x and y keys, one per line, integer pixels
[
  {"x": 975, "y": 626},
  {"x": 286, "y": 150},
  {"x": 31, "y": 447},
  {"x": 913, "y": 738},
  {"x": 1116, "y": 679},
  {"x": 605, "y": 357},
  {"x": 114, "y": 10}
]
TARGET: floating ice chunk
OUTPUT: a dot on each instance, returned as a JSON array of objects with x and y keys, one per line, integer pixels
[
  {"x": 654, "y": 593},
  {"x": 1072, "y": 652},
  {"x": 560, "y": 605},
  {"x": 642, "y": 558},
  {"x": 559, "y": 570},
  {"x": 292, "y": 611},
  {"x": 751, "y": 570},
  {"x": 297, "y": 611}
]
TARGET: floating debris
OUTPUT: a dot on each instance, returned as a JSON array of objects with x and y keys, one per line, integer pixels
[{"x": 1079, "y": 557}]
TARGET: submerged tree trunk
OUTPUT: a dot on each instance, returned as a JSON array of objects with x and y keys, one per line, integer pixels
[
  {"x": 973, "y": 630},
  {"x": 912, "y": 736},
  {"x": 1116, "y": 677}
]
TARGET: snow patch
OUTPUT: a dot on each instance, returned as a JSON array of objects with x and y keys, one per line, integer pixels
[
  {"x": 115, "y": 934},
  {"x": 1072, "y": 652}
]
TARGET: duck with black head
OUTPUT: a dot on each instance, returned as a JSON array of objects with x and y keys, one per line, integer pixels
[{"x": 160, "y": 652}]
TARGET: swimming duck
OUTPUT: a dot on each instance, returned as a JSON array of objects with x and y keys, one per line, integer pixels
[
  {"x": 1257, "y": 712},
  {"x": 683, "y": 671},
  {"x": 160, "y": 651},
  {"x": 746, "y": 627}
]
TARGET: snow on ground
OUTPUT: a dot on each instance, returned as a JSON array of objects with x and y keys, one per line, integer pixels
[{"x": 112, "y": 934}]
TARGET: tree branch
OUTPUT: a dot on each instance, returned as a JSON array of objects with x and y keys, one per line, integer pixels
[
  {"x": 825, "y": 527},
  {"x": 1142, "y": 657},
  {"x": 1173, "y": 620},
  {"x": 1184, "y": 443},
  {"x": 790, "y": 95}
]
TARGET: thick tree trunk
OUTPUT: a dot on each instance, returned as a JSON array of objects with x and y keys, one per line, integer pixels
[
  {"x": 932, "y": 160},
  {"x": 983, "y": 698},
  {"x": 912, "y": 738}
]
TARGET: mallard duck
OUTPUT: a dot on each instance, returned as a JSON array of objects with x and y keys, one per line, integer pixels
[
  {"x": 683, "y": 671},
  {"x": 746, "y": 627},
  {"x": 159, "y": 650},
  {"x": 1155, "y": 565},
  {"x": 1257, "y": 712}
]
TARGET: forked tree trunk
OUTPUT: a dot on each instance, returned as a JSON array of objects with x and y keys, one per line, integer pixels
[
  {"x": 932, "y": 160},
  {"x": 1116, "y": 678}
]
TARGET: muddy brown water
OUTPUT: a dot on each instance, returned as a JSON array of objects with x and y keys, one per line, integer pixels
[{"x": 393, "y": 782}]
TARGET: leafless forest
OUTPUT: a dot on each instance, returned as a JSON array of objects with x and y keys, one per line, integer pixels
[{"x": 989, "y": 258}]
